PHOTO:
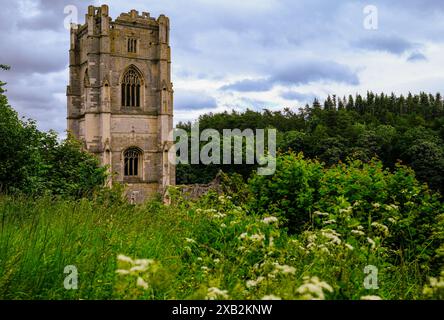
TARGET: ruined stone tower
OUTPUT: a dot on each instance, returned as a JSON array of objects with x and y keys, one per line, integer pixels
[{"x": 120, "y": 97}]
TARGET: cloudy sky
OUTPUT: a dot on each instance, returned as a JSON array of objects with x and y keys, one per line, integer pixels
[{"x": 238, "y": 54}]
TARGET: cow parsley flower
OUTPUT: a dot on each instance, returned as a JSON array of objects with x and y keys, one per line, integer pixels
[
  {"x": 313, "y": 289},
  {"x": 268, "y": 220},
  {"x": 371, "y": 298},
  {"x": 254, "y": 283},
  {"x": 381, "y": 228},
  {"x": 372, "y": 242},
  {"x": 142, "y": 283},
  {"x": 271, "y": 297},
  {"x": 214, "y": 293},
  {"x": 284, "y": 269},
  {"x": 124, "y": 258},
  {"x": 358, "y": 232}
]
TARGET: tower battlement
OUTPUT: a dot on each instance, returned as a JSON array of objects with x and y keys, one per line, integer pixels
[{"x": 95, "y": 15}]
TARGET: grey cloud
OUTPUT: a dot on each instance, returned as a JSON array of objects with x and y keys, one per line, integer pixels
[
  {"x": 301, "y": 97},
  {"x": 303, "y": 72},
  {"x": 417, "y": 56},
  {"x": 33, "y": 56},
  {"x": 193, "y": 100},
  {"x": 248, "y": 85},
  {"x": 391, "y": 44},
  {"x": 224, "y": 38},
  {"x": 256, "y": 104}
]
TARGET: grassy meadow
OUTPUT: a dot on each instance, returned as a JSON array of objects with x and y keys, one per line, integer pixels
[{"x": 214, "y": 248}]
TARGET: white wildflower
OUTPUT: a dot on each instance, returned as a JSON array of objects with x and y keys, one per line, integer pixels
[
  {"x": 271, "y": 297},
  {"x": 371, "y": 298},
  {"x": 381, "y": 227},
  {"x": 321, "y": 214},
  {"x": 205, "y": 269},
  {"x": 312, "y": 237},
  {"x": 393, "y": 207},
  {"x": 376, "y": 205},
  {"x": 332, "y": 235},
  {"x": 257, "y": 237},
  {"x": 189, "y": 240},
  {"x": 391, "y": 220},
  {"x": 138, "y": 268},
  {"x": 243, "y": 235},
  {"x": 372, "y": 242},
  {"x": 332, "y": 221},
  {"x": 219, "y": 215},
  {"x": 143, "y": 262},
  {"x": 435, "y": 288},
  {"x": 347, "y": 210},
  {"x": 358, "y": 232},
  {"x": 284, "y": 269},
  {"x": 349, "y": 246},
  {"x": 214, "y": 293},
  {"x": 223, "y": 225},
  {"x": 142, "y": 283},
  {"x": 324, "y": 249},
  {"x": 268, "y": 220},
  {"x": 313, "y": 289},
  {"x": 217, "y": 260},
  {"x": 254, "y": 283},
  {"x": 121, "y": 271},
  {"x": 123, "y": 258}
]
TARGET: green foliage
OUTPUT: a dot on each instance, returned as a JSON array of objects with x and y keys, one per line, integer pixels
[
  {"x": 350, "y": 195},
  {"x": 391, "y": 128},
  {"x": 290, "y": 192},
  {"x": 208, "y": 249},
  {"x": 36, "y": 163}
]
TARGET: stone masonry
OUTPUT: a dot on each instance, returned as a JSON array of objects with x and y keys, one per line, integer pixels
[{"x": 120, "y": 97}]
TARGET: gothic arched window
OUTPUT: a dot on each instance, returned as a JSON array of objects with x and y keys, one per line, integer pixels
[
  {"x": 131, "y": 88},
  {"x": 132, "y": 162}
]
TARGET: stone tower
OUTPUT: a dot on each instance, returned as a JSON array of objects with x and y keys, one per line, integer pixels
[{"x": 120, "y": 97}]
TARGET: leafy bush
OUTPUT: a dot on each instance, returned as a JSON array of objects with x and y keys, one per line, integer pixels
[
  {"x": 350, "y": 195},
  {"x": 36, "y": 163},
  {"x": 290, "y": 192}
]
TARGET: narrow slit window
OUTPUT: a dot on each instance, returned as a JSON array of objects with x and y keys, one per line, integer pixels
[{"x": 132, "y": 45}]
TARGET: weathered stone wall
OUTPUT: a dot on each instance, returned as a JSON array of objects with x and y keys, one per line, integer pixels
[{"x": 99, "y": 59}]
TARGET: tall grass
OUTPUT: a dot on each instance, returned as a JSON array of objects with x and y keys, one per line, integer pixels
[
  {"x": 38, "y": 238},
  {"x": 210, "y": 249}
]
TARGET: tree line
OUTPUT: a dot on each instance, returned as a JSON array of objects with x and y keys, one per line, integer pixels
[{"x": 407, "y": 129}]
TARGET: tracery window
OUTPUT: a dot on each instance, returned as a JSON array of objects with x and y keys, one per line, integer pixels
[
  {"x": 132, "y": 161},
  {"x": 131, "y": 87}
]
